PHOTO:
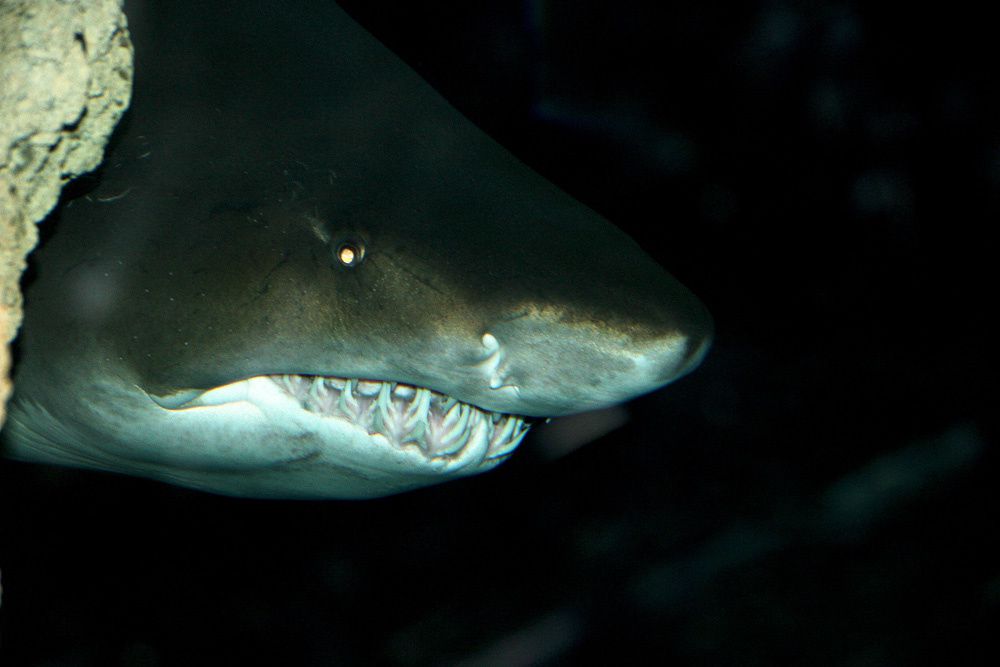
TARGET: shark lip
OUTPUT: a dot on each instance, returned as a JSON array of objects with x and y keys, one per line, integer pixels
[{"x": 408, "y": 417}]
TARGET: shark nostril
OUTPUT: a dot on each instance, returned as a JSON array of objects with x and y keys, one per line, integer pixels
[
  {"x": 494, "y": 357},
  {"x": 491, "y": 343},
  {"x": 493, "y": 365}
]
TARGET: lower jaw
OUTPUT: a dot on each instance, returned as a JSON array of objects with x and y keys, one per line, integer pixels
[{"x": 409, "y": 418}]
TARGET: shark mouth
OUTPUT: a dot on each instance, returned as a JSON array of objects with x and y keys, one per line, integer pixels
[{"x": 439, "y": 426}]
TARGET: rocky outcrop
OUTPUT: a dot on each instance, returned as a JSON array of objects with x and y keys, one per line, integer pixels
[{"x": 65, "y": 81}]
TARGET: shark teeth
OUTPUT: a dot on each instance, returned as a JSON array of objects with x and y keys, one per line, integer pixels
[{"x": 437, "y": 425}]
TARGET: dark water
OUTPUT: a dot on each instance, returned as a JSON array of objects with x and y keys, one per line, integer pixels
[{"x": 822, "y": 491}]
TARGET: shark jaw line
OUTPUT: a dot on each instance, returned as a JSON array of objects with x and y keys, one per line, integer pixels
[{"x": 407, "y": 418}]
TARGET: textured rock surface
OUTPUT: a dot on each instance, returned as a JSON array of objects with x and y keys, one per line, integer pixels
[{"x": 65, "y": 80}]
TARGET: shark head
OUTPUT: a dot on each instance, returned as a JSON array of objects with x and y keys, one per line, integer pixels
[{"x": 366, "y": 300}]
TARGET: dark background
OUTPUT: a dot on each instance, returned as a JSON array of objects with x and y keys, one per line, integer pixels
[{"x": 821, "y": 491}]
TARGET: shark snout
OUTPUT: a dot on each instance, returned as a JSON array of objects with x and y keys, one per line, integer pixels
[
  {"x": 697, "y": 347},
  {"x": 671, "y": 357},
  {"x": 689, "y": 344},
  {"x": 550, "y": 363}
]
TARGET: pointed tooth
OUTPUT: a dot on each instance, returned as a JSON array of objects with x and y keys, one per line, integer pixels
[
  {"x": 369, "y": 409},
  {"x": 449, "y": 417},
  {"x": 414, "y": 412},
  {"x": 368, "y": 388},
  {"x": 348, "y": 402},
  {"x": 414, "y": 421},
  {"x": 454, "y": 425},
  {"x": 461, "y": 436},
  {"x": 467, "y": 413},
  {"x": 417, "y": 435},
  {"x": 455, "y": 447},
  {"x": 476, "y": 447},
  {"x": 422, "y": 402},
  {"x": 316, "y": 388},
  {"x": 384, "y": 396},
  {"x": 385, "y": 413},
  {"x": 313, "y": 399},
  {"x": 511, "y": 446},
  {"x": 404, "y": 391},
  {"x": 294, "y": 385},
  {"x": 415, "y": 427},
  {"x": 504, "y": 430}
]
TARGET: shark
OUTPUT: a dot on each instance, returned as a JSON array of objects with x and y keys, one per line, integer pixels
[{"x": 301, "y": 273}]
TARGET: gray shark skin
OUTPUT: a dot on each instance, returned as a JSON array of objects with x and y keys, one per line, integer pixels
[{"x": 303, "y": 274}]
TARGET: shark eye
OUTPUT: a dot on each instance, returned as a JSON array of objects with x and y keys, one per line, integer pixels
[{"x": 350, "y": 253}]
